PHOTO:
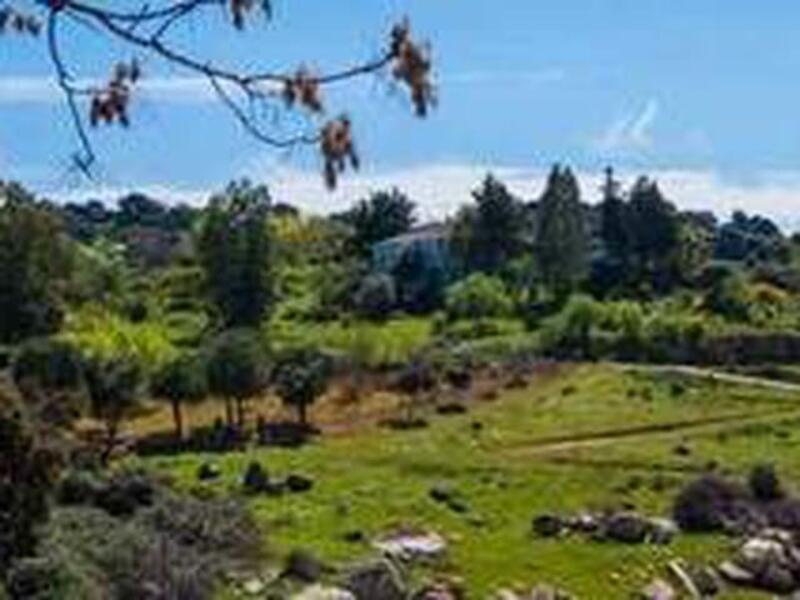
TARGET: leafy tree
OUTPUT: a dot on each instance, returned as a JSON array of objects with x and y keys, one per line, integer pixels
[
  {"x": 478, "y": 296},
  {"x": 182, "y": 380},
  {"x": 751, "y": 238},
  {"x": 113, "y": 386},
  {"x": 234, "y": 251},
  {"x": 492, "y": 232},
  {"x": 237, "y": 370},
  {"x": 383, "y": 215},
  {"x": 50, "y": 376},
  {"x": 27, "y": 471},
  {"x": 656, "y": 228},
  {"x": 300, "y": 378},
  {"x": 35, "y": 259},
  {"x": 561, "y": 247},
  {"x": 616, "y": 234},
  {"x": 376, "y": 297}
]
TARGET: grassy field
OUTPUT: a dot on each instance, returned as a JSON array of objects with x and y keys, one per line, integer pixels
[{"x": 586, "y": 437}]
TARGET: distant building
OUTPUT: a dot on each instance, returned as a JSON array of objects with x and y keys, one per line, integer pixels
[{"x": 431, "y": 241}]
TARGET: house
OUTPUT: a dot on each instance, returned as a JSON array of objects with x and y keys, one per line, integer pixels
[{"x": 430, "y": 241}]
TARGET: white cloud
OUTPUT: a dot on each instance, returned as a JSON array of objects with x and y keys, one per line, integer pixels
[
  {"x": 44, "y": 90},
  {"x": 631, "y": 132},
  {"x": 439, "y": 189}
]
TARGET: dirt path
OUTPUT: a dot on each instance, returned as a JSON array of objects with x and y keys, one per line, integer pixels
[{"x": 554, "y": 445}]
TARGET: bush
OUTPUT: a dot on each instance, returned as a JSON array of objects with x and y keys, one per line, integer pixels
[
  {"x": 478, "y": 296},
  {"x": 764, "y": 483},
  {"x": 376, "y": 297},
  {"x": 711, "y": 503},
  {"x": 300, "y": 378},
  {"x": 569, "y": 333}
]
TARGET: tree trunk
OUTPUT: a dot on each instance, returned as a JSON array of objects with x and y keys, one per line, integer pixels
[
  {"x": 177, "y": 417},
  {"x": 111, "y": 440},
  {"x": 302, "y": 414},
  {"x": 240, "y": 414},
  {"x": 228, "y": 412}
]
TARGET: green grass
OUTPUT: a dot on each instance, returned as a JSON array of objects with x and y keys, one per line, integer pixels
[{"x": 377, "y": 480}]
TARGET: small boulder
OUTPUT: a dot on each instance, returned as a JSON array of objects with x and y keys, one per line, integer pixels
[
  {"x": 208, "y": 471},
  {"x": 304, "y": 566},
  {"x": 548, "y": 525},
  {"x": 626, "y": 527},
  {"x": 381, "y": 579},
  {"x": 298, "y": 484},
  {"x": 255, "y": 478},
  {"x": 320, "y": 592},
  {"x": 658, "y": 590},
  {"x": 413, "y": 547}
]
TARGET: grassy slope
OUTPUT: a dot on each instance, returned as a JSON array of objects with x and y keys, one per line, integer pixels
[{"x": 379, "y": 480}]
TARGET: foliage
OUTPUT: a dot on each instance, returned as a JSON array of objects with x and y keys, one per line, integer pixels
[
  {"x": 383, "y": 215},
  {"x": 765, "y": 484},
  {"x": 26, "y": 478},
  {"x": 707, "y": 503},
  {"x": 50, "y": 375},
  {"x": 570, "y": 331},
  {"x": 113, "y": 387},
  {"x": 750, "y": 239},
  {"x": 237, "y": 369},
  {"x": 476, "y": 297},
  {"x": 300, "y": 377},
  {"x": 234, "y": 247},
  {"x": 560, "y": 242},
  {"x": 376, "y": 297},
  {"x": 182, "y": 380},
  {"x": 493, "y": 231},
  {"x": 420, "y": 281},
  {"x": 35, "y": 260}
]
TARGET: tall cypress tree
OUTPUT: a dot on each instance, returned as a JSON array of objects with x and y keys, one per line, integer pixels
[{"x": 561, "y": 242}]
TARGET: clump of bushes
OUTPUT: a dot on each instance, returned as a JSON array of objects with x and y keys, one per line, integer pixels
[
  {"x": 712, "y": 503},
  {"x": 478, "y": 296}
]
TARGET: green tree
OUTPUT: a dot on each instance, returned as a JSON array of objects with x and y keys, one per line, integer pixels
[
  {"x": 561, "y": 247},
  {"x": 615, "y": 225},
  {"x": 234, "y": 250},
  {"x": 237, "y": 370},
  {"x": 656, "y": 228},
  {"x": 182, "y": 380},
  {"x": 383, "y": 215},
  {"x": 376, "y": 297},
  {"x": 50, "y": 376},
  {"x": 27, "y": 471},
  {"x": 300, "y": 378},
  {"x": 493, "y": 231},
  {"x": 35, "y": 260},
  {"x": 113, "y": 386},
  {"x": 478, "y": 296}
]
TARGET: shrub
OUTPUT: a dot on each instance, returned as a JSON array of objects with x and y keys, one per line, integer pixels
[
  {"x": 764, "y": 483},
  {"x": 711, "y": 503},
  {"x": 570, "y": 331},
  {"x": 478, "y": 296},
  {"x": 376, "y": 297}
]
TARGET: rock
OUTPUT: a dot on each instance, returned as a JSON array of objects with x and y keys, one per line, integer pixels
[
  {"x": 304, "y": 566},
  {"x": 413, "y": 547},
  {"x": 255, "y": 478},
  {"x": 442, "y": 494},
  {"x": 583, "y": 523},
  {"x": 320, "y": 592},
  {"x": 297, "y": 484},
  {"x": 208, "y": 471},
  {"x": 441, "y": 591},
  {"x": 626, "y": 527},
  {"x": 776, "y": 578},
  {"x": 354, "y": 537},
  {"x": 735, "y": 574},
  {"x": 380, "y": 580},
  {"x": 658, "y": 590},
  {"x": 254, "y": 587},
  {"x": 697, "y": 581},
  {"x": 547, "y": 592},
  {"x": 548, "y": 525},
  {"x": 759, "y": 553},
  {"x": 661, "y": 531}
]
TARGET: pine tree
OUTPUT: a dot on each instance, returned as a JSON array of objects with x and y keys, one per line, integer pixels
[{"x": 561, "y": 246}]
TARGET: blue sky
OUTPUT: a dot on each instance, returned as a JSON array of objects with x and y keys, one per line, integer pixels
[{"x": 703, "y": 94}]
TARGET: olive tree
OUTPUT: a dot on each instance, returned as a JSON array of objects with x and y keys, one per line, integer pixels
[
  {"x": 300, "y": 378},
  {"x": 179, "y": 381},
  {"x": 237, "y": 370}
]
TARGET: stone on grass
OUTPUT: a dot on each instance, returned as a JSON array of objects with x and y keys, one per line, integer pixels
[
  {"x": 208, "y": 471},
  {"x": 302, "y": 565},
  {"x": 379, "y": 580},
  {"x": 658, "y": 590},
  {"x": 548, "y": 525},
  {"x": 321, "y": 592},
  {"x": 298, "y": 484},
  {"x": 413, "y": 547}
]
